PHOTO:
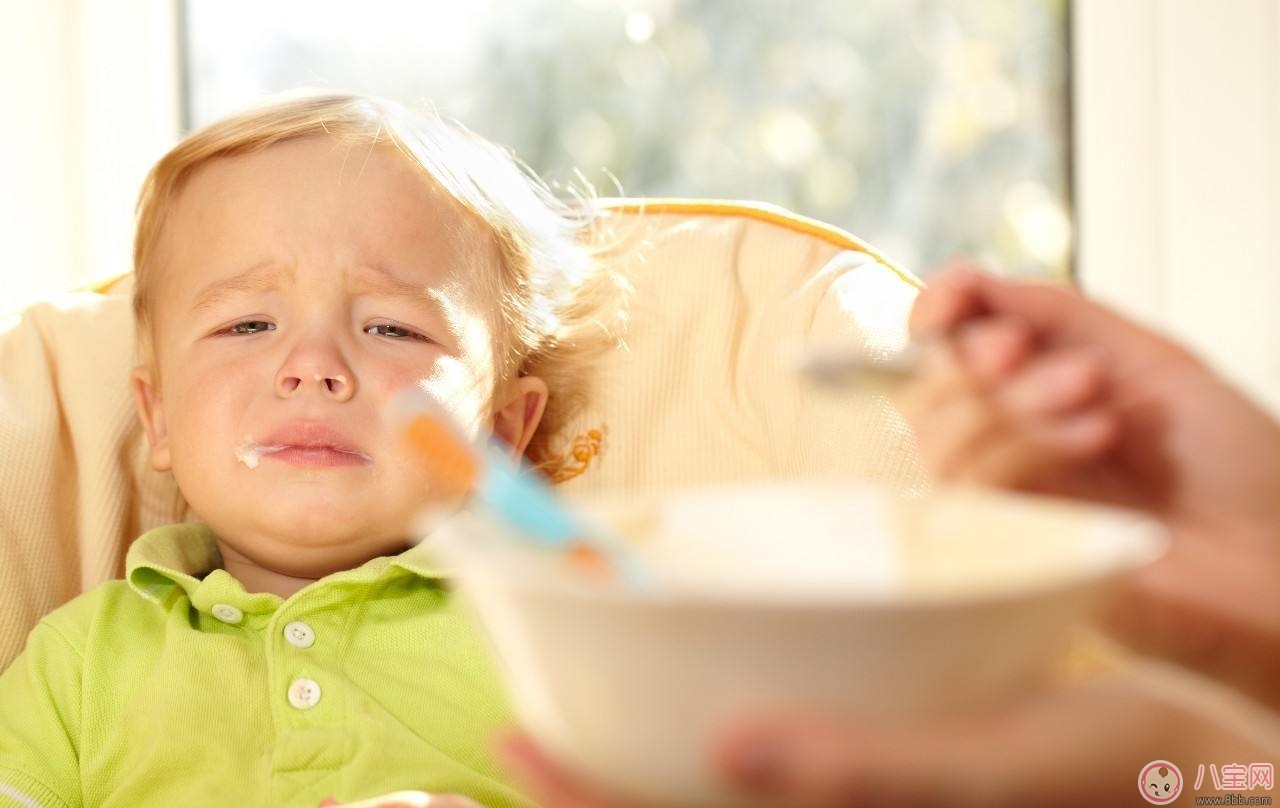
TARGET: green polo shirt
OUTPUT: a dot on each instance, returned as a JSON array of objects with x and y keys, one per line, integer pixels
[{"x": 177, "y": 687}]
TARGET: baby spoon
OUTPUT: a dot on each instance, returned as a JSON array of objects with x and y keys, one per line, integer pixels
[
  {"x": 840, "y": 365},
  {"x": 515, "y": 495}
]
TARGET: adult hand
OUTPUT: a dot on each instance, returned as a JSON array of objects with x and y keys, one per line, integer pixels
[
  {"x": 1036, "y": 388},
  {"x": 1084, "y": 745}
]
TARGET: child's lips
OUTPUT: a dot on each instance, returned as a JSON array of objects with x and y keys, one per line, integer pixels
[
  {"x": 310, "y": 443},
  {"x": 315, "y": 456}
]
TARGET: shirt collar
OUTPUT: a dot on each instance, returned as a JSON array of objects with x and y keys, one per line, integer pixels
[{"x": 168, "y": 561}]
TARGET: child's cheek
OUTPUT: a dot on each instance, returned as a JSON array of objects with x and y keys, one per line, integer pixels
[
  {"x": 463, "y": 391},
  {"x": 389, "y": 386}
]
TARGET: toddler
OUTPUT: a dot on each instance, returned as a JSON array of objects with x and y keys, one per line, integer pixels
[{"x": 295, "y": 266}]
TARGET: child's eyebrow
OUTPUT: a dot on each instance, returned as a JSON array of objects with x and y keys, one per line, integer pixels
[
  {"x": 382, "y": 282},
  {"x": 365, "y": 280},
  {"x": 379, "y": 280},
  {"x": 256, "y": 278}
]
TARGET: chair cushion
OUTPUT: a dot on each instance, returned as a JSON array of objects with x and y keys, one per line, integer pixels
[{"x": 707, "y": 391}]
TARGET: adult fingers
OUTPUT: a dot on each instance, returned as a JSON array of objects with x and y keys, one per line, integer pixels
[
  {"x": 1082, "y": 745},
  {"x": 954, "y": 294},
  {"x": 993, "y": 348},
  {"x": 1053, "y": 383},
  {"x": 947, "y": 411},
  {"x": 1022, "y": 457},
  {"x": 1055, "y": 313}
]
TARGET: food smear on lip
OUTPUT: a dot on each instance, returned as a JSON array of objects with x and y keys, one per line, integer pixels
[{"x": 251, "y": 453}]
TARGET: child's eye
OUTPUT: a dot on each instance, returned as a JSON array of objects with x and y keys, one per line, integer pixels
[
  {"x": 251, "y": 327},
  {"x": 394, "y": 331}
]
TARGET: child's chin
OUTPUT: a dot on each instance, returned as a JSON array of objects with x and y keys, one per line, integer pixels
[{"x": 329, "y": 522}]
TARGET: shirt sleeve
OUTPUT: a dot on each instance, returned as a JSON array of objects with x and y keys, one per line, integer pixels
[{"x": 40, "y": 724}]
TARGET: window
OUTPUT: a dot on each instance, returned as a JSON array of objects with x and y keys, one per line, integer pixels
[{"x": 930, "y": 128}]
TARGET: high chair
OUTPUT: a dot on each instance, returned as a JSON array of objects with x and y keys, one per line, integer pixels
[{"x": 704, "y": 392}]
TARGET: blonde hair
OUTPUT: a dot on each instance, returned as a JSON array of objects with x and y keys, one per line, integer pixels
[{"x": 560, "y": 309}]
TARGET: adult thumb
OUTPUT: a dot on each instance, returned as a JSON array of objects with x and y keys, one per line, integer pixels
[{"x": 1072, "y": 746}]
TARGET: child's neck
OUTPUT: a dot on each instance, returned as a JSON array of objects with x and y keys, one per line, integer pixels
[{"x": 256, "y": 578}]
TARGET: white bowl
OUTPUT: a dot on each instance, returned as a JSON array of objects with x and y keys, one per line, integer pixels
[{"x": 832, "y": 596}]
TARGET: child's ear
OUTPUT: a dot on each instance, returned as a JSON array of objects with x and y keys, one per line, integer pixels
[
  {"x": 151, "y": 412},
  {"x": 516, "y": 419}
]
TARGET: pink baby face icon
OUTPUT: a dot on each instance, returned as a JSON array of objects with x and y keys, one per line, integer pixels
[{"x": 1160, "y": 782}]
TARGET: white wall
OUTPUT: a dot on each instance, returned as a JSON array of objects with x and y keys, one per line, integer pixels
[
  {"x": 90, "y": 99},
  {"x": 1177, "y": 148}
]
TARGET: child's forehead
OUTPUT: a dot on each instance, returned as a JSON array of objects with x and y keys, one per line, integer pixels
[
  {"x": 342, "y": 180},
  {"x": 323, "y": 199}
]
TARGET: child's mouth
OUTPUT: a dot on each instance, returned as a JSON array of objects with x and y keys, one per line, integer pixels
[
  {"x": 303, "y": 444},
  {"x": 315, "y": 456}
]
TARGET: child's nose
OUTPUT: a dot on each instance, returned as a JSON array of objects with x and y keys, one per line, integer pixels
[
  {"x": 338, "y": 387},
  {"x": 328, "y": 376}
]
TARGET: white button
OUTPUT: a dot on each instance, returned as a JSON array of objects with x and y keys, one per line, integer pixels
[
  {"x": 304, "y": 693},
  {"x": 227, "y": 613},
  {"x": 299, "y": 634}
]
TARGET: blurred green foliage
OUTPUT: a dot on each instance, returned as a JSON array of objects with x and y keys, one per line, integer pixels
[{"x": 932, "y": 128}]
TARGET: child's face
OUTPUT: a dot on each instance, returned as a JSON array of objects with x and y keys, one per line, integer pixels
[{"x": 298, "y": 289}]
